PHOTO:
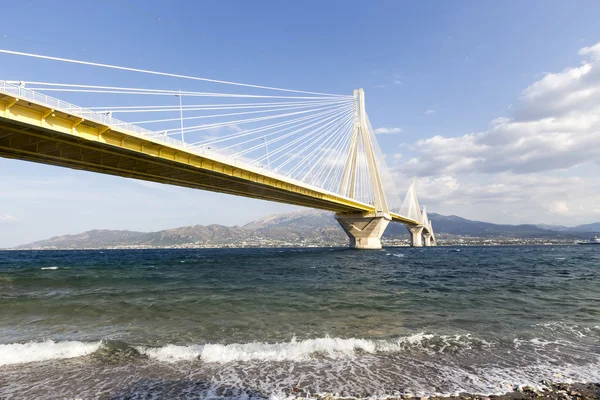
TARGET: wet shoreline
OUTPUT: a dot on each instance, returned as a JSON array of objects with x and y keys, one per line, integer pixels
[{"x": 546, "y": 391}]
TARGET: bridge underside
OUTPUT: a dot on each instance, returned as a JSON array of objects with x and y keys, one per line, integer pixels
[{"x": 37, "y": 144}]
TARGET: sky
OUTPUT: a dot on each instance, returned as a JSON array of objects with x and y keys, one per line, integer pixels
[{"x": 492, "y": 107}]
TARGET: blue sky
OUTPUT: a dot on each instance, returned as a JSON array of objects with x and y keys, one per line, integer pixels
[{"x": 435, "y": 70}]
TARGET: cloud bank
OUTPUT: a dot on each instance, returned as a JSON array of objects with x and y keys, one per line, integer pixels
[{"x": 550, "y": 146}]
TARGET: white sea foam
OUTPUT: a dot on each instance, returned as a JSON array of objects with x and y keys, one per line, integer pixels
[
  {"x": 395, "y": 254},
  {"x": 575, "y": 330},
  {"x": 18, "y": 353},
  {"x": 293, "y": 350},
  {"x": 49, "y": 268},
  {"x": 172, "y": 353},
  {"x": 298, "y": 350}
]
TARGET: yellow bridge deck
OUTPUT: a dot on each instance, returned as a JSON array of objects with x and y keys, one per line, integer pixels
[{"x": 32, "y": 130}]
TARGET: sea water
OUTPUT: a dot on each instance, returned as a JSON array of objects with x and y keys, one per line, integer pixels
[{"x": 277, "y": 323}]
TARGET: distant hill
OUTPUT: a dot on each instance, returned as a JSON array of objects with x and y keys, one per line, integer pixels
[
  {"x": 593, "y": 227},
  {"x": 101, "y": 237},
  {"x": 461, "y": 226},
  {"x": 197, "y": 234},
  {"x": 312, "y": 227},
  {"x": 305, "y": 227}
]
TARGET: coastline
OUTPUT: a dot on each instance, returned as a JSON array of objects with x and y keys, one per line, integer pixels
[{"x": 295, "y": 245}]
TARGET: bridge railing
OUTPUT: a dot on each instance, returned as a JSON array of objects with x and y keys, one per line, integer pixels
[
  {"x": 104, "y": 119},
  {"x": 69, "y": 108},
  {"x": 56, "y": 104}
]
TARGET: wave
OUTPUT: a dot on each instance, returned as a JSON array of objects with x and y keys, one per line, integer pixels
[
  {"x": 395, "y": 254},
  {"x": 18, "y": 353},
  {"x": 294, "y": 350},
  {"x": 52, "y": 268},
  {"x": 299, "y": 350}
]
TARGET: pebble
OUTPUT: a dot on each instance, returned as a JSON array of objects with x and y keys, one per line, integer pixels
[{"x": 550, "y": 391}]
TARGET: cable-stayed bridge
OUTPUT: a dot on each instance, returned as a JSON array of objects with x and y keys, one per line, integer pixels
[{"x": 304, "y": 148}]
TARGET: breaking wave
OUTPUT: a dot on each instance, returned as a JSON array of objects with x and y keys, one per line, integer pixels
[
  {"x": 294, "y": 350},
  {"x": 19, "y": 353},
  {"x": 298, "y": 350}
]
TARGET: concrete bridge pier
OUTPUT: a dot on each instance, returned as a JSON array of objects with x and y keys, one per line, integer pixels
[
  {"x": 427, "y": 239},
  {"x": 364, "y": 231},
  {"x": 416, "y": 235}
]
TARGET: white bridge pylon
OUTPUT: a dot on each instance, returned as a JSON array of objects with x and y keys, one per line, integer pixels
[
  {"x": 422, "y": 233},
  {"x": 361, "y": 139},
  {"x": 365, "y": 230}
]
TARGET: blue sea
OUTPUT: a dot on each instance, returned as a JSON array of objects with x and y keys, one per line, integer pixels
[{"x": 280, "y": 323}]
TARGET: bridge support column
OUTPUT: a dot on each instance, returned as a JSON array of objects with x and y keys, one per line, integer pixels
[
  {"x": 364, "y": 231},
  {"x": 427, "y": 239},
  {"x": 416, "y": 238}
]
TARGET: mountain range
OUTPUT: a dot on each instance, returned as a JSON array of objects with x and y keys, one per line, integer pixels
[{"x": 298, "y": 228}]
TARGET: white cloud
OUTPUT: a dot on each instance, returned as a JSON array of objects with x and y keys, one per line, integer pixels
[
  {"x": 429, "y": 112},
  {"x": 5, "y": 218},
  {"x": 383, "y": 130},
  {"x": 397, "y": 156},
  {"x": 511, "y": 198},
  {"x": 556, "y": 126},
  {"x": 592, "y": 51},
  {"x": 397, "y": 82},
  {"x": 560, "y": 207},
  {"x": 540, "y": 165}
]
